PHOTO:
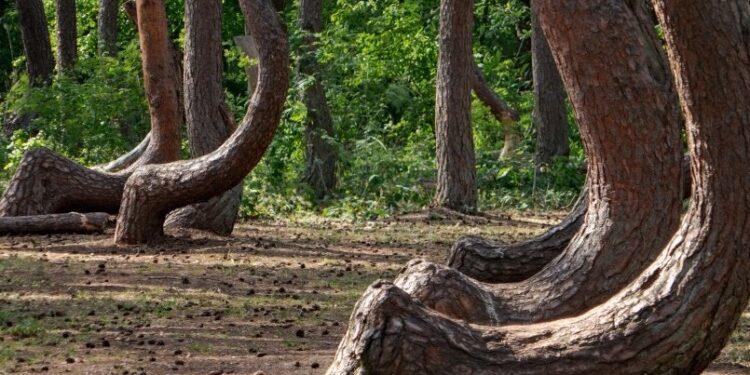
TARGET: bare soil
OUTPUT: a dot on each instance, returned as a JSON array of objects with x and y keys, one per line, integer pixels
[{"x": 275, "y": 297}]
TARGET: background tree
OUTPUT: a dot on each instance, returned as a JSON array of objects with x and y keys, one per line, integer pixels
[
  {"x": 550, "y": 112},
  {"x": 35, "y": 34},
  {"x": 456, "y": 163},
  {"x": 67, "y": 34},
  {"x": 209, "y": 122},
  {"x": 320, "y": 151},
  {"x": 107, "y": 27}
]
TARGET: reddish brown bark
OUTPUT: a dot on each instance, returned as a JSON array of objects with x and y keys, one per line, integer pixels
[
  {"x": 153, "y": 191},
  {"x": 46, "y": 183},
  {"x": 456, "y": 164},
  {"x": 677, "y": 315}
]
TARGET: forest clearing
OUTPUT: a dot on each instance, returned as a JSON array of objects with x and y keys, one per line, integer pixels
[
  {"x": 390, "y": 187},
  {"x": 275, "y": 297}
]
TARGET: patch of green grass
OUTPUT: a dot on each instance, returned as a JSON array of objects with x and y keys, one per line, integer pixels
[
  {"x": 27, "y": 328},
  {"x": 6, "y": 355},
  {"x": 199, "y": 347}
]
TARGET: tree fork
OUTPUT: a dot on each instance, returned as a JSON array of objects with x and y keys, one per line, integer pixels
[
  {"x": 677, "y": 315},
  {"x": 155, "y": 190}
]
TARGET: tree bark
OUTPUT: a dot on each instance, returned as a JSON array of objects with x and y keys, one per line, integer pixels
[
  {"x": 127, "y": 159},
  {"x": 153, "y": 191},
  {"x": 456, "y": 162},
  {"x": 633, "y": 208},
  {"x": 550, "y": 111},
  {"x": 107, "y": 27},
  {"x": 46, "y": 183},
  {"x": 60, "y": 223},
  {"x": 676, "y": 316},
  {"x": 320, "y": 152},
  {"x": 35, "y": 35},
  {"x": 491, "y": 262},
  {"x": 67, "y": 34},
  {"x": 209, "y": 122}
]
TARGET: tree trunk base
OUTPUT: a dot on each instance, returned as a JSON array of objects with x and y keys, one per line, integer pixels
[
  {"x": 492, "y": 262},
  {"x": 218, "y": 215},
  {"x": 60, "y": 223}
]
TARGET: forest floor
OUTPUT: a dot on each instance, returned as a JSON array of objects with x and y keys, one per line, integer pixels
[{"x": 275, "y": 297}]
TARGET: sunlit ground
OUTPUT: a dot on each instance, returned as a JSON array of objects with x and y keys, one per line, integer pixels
[{"x": 275, "y": 297}]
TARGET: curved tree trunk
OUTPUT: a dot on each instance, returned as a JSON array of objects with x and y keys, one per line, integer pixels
[
  {"x": 456, "y": 162},
  {"x": 320, "y": 152},
  {"x": 153, "y": 191},
  {"x": 501, "y": 110},
  {"x": 490, "y": 262},
  {"x": 633, "y": 208},
  {"x": 107, "y": 27},
  {"x": 676, "y": 316},
  {"x": 550, "y": 112},
  {"x": 46, "y": 183},
  {"x": 67, "y": 34},
  {"x": 35, "y": 35},
  {"x": 127, "y": 159},
  {"x": 209, "y": 122}
]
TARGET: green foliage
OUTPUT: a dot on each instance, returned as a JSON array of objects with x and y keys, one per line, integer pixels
[{"x": 379, "y": 64}]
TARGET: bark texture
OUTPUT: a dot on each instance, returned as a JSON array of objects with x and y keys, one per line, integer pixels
[
  {"x": 630, "y": 112},
  {"x": 35, "y": 35},
  {"x": 61, "y": 223},
  {"x": 456, "y": 161},
  {"x": 209, "y": 122},
  {"x": 320, "y": 152},
  {"x": 677, "y": 315},
  {"x": 491, "y": 262},
  {"x": 155, "y": 190},
  {"x": 550, "y": 111},
  {"x": 46, "y": 183},
  {"x": 107, "y": 27},
  {"x": 67, "y": 34}
]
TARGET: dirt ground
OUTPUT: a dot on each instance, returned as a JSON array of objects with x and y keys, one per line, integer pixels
[{"x": 275, "y": 297}]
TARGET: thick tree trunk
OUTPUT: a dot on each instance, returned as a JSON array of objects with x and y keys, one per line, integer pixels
[
  {"x": 672, "y": 319},
  {"x": 61, "y": 223},
  {"x": 46, "y": 183},
  {"x": 633, "y": 208},
  {"x": 320, "y": 152},
  {"x": 35, "y": 35},
  {"x": 501, "y": 110},
  {"x": 153, "y": 191},
  {"x": 209, "y": 122},
  {"x": 67, "y": 34},
  {"x": 550, "y": 112},
  {"x": 107, "y": 27},
  {"x": 456, "y": 163},
  {"x": 490, "y": 262}
]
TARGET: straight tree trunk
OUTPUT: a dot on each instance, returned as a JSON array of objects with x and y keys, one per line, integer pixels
[
  {"x": 46, "y": 183},
  {"x": 35, "y": 35},
  {"x": 61, "y": 223},
  {"x": 209, "y": 122},
  {"x": 107, "y": 27},
  {"x": 456, "y": 163},
  {"x": 675, "y": 317},
  {"x": 550, "y": 112},
  {"x": 67, "y": 34},
  {"x": 320, "y": 152},
  {"x": 154, "y": 191}
]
